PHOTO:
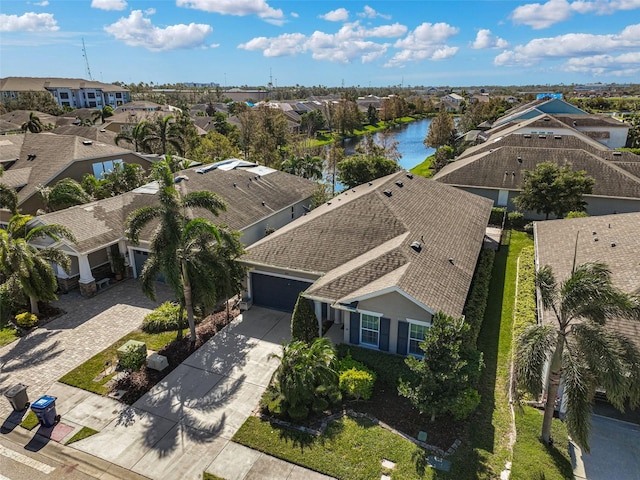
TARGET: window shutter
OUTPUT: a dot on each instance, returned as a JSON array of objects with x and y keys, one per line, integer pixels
[
  {"x": 403, "y": 337},
  {"x": 354, "y": 328},
  {"x": 385, "y": 326}
]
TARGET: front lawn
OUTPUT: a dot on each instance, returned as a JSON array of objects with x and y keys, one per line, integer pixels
[
  {"x": 349, "y": 449},
  {"x": 86, "y": 375}
]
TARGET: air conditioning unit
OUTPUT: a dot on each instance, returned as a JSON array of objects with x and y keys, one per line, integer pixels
[
  {"x": 157, "y": 362},
  {"x": 245, "y": 304}
]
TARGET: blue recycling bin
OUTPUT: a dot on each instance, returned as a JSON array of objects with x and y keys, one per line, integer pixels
[{"x": 45, "y": 410}]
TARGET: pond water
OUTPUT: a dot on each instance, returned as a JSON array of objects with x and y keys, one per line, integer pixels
[{"x": 409, "y": 137}]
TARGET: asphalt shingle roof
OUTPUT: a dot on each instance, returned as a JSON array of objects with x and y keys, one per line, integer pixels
[
  {"x": 612, "y": 239},
  {"x": 363, "y": 238}
]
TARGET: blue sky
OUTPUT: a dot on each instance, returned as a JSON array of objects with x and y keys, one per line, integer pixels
[{"x": 308, "y": 42}]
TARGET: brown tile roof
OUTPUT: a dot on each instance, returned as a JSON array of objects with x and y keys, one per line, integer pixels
[
  {"x": 102, "y": 222},
  {"x": 96, "y": 133},
  {"x": 28, "y": 84},
  {"x": 363, "y": 238},
  {"x": 590, "y": 120},
  {"x": 596, "y": 237},
  {"x": 501, "y": 169}
]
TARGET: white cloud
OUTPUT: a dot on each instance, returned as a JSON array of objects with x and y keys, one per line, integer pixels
[
  {"x": 568, "y": 46},
  {"x": 294, "y": 15},
  {"x": 138, "y": 31},
  {"x": 28, "y": 22},
  {"x": 485, "y": 39},
  {"x": 350, "y": 43},
  {"x": 109, "y": 4},
  {"x": 369, "y": 12},
  {"x": 538, "y": 16},
  {"x": 337, "y": 15},
  {"x": 44, "y": 3},
  {"x": 426, "y": 42},
  {"x": 622, "y": 65},
  {"x": 238, "y": 8}
]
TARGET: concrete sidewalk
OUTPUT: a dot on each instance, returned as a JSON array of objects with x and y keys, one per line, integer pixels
[{"x": 184, "y": 425}]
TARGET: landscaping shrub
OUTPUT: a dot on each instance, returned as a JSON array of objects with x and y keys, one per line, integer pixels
[
  {"x": 516, "y": 220},
  {"x": 497, "y": 214},
  {"x": 525, "y": 304},
  {"x": 26, "y": 320},
  {"x": 319, "y": 405},
  {"x": 357, "y": 383},
  {"x": 133, "y": 359},
  {"x": 298, "y": 412},
  {"x": 164, "y": 319},
  {"x": 465, "y": 404},
  {"x": 304, "y": 325},
  {"x": 577, "y": 214},
  {"x": 478, "y": 295},
  {"x": 388, "y": 368}
]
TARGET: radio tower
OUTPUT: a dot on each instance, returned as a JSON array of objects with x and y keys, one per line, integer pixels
[{"x": 86, "y": 60}]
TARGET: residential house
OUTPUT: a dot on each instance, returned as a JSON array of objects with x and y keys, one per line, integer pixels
[
  {"x": 12, "y": 122},
  {"x": 381, "y": 258},
  {"x": 258, "y": 200},
  {"x": 611, "y": 239},
  {"x": 67, "y": 92},
  {"x": 452, "y": 102},
  {"x": 497, "y": 172},
  {"x": 35, "y": 159}
]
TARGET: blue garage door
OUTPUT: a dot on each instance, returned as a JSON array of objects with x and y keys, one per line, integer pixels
[{"x": 276, "y": 292}]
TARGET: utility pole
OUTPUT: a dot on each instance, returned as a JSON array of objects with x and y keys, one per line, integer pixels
[{"x": 86, "y": 60}]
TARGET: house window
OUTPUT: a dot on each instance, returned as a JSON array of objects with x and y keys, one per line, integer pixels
[
  {"x": 369, "y": 330},
  {"x": 91, "y": 95},
  {"x": 100, "y": 168},
  {"x": 417, "y": 331},
  {"x": 64, "y": 95}
]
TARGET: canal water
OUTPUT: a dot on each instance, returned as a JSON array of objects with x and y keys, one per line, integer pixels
[{"x": 409, "y": 137}]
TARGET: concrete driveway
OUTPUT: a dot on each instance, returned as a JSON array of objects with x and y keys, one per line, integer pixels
[
  {"x": 615, "y": 451},
  {"x": 179, "y": 428}
]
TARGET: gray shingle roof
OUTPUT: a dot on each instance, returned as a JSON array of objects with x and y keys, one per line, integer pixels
[
  {"x": 361, "y": 242},
  {"x": 556, "y": 244},
  {"x": 103, "y": 222},
  {"x": 501, "y": 169}
]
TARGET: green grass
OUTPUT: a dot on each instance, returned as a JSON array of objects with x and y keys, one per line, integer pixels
[
  {"x": 349, "y": 449},
  {"x": 30, "y": 421},
  {"x": 532, "y": 459},
  {"x": 83, "y": 375},
  {"x": 211, "y": 476},
  {"x": 491, "y": 424},
  {"x": 84, "y": 432},
  {"x": 423, "y": 169},
  {"x": 7, "y": 335}
]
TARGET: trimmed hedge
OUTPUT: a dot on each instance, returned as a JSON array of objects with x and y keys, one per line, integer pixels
[
  {"x": 524, "y": 313},
  {"x": 478, "y": 294},
  {"x": 357, "y": 383}
]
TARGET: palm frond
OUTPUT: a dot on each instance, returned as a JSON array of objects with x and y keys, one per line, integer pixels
[
  {"x": 534, "y": 347},
  {"x": 53, "y": 231},
  {"x": 56, "y": 256},
  {"x": 579, "y": 391},
  {"x": 139, "y": 219},
  {"x": 547, "y": 285},
  {"x": 206, "y": 200}
]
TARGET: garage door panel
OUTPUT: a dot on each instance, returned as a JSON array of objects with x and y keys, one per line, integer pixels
[{"x": 276, "y": 292}]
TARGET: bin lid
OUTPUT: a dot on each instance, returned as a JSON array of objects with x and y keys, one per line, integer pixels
[
  {"x": 43, "y": 402},
  {"x": 16, "y": 389}
]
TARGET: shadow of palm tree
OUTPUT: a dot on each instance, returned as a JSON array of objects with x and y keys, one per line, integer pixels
[{"x": 29, "y": 352}]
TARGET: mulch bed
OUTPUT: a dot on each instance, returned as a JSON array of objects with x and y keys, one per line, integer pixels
[{"x": 136, "y": 384}]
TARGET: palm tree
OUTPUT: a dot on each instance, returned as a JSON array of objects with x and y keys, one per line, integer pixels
[
  {"x": 64, "y": 194},
  {"x": 27, "y": 266},
  {"x": 307, "y": 166},
  {"x": 580, "y": 350},
  {"x": 135, "y": 137},
  {"x": 102, "y": 114},
  {"x": 176, "y": 240},
  {"x": 34, "y": 125},
  {"x": 162, "y": 133}
]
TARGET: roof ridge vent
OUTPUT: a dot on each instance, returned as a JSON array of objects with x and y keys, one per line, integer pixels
[
  {"x": 617, "y": 154},
  {"x": 410, "y": 176},
  {"x": 400, "y": 184},
  {"x": 388, "y": 193},
  {"x": 417, "y": 246},
  {"x": 87, "y": 142},
  {"x": 527, "y": 135}
]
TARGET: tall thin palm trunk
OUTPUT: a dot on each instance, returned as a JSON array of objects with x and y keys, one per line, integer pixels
[
  {"x": 188, "y": 302},
  {"x": 555, "y": 374}
]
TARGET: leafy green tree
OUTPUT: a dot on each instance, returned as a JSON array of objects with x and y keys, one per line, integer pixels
[
  {"x": 182, "y": 248},
  {"x": 95, "y": 187},
  {"x": 447, "y": 370},
  {"x": 335, "y": 155},
  {"x": 306, "y": 372},
  {"x": 124, "y": 177},
  {"x": 552, "y": 189},
  {"x": 386, "y": 147},
  {"x": 264, "y": 133},
  {"x": 441, "y": 130},
  {"x": 28, "y": 267},
  {"x": 33, "y": 125},
  {"x": 580, "y": 349},
  {"x": 441, "y": 158},
  {"x": 36, "y": 101},
  {"x": 372, "y": 115},
  {"x": 304, "y": 325},
  {"x": 102, "y": 114},
  {"x": 346, "y": 117},
  {"x": 311, "y": 122},
  {"x": 307, "y": 166},
  {"x": 358, "y": 169},
  {"x": 213, "y": 147}
]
